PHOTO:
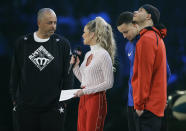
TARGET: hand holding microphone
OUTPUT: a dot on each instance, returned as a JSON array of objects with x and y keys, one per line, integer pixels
[{"x": 73, "y": 62}]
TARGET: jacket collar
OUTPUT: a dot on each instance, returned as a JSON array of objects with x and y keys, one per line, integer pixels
[{"x": 161, "y": 32}]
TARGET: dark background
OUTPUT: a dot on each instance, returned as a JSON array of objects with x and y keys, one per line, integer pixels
[{"x": 18, "y": 17}]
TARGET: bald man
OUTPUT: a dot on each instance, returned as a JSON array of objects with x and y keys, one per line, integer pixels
[{"x": 39, "y": 72}]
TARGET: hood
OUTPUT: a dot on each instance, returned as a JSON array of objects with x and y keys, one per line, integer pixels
[{"x": 161, "y": 32}]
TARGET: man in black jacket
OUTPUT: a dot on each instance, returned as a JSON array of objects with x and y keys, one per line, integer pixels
[{"x": 38, "y": 74}]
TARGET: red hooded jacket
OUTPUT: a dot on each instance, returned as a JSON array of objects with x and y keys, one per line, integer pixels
[{"x": 149, "y": 79}]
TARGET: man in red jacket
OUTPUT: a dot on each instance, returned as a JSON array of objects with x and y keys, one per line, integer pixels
[{"x": 149, "y": 79}]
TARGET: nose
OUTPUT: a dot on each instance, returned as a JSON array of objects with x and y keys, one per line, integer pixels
[
  {"x": 83, "y": 35},
  {"x": 53, "y": 25}
]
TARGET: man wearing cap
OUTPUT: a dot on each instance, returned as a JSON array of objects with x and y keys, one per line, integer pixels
[{"x": 149, "y": 80}]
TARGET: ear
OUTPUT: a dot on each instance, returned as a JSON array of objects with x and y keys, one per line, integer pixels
[
  {"x": 38, "y": 23},
  {"x": 148, "y": 16},
  {"x": 92, "y": 35}
]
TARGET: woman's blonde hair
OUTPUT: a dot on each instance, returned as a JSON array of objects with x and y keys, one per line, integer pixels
[{"x": 104, "y": 35}]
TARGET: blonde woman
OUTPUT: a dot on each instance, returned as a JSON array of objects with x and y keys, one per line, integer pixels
[{"x": 95, "y": 75}]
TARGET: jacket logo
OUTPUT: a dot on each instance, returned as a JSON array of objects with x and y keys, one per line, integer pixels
[
  {"x": 41, "y": 58},
  {"x": 129, "y": 54}
]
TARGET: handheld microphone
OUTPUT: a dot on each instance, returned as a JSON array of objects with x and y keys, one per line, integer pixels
[{"x": 72, "y": 65}]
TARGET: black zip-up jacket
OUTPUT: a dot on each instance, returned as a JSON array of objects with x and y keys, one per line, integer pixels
[{"x": 39, "y": 71}]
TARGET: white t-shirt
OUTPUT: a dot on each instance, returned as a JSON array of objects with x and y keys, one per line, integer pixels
[{"x": 37, "y": 39}]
